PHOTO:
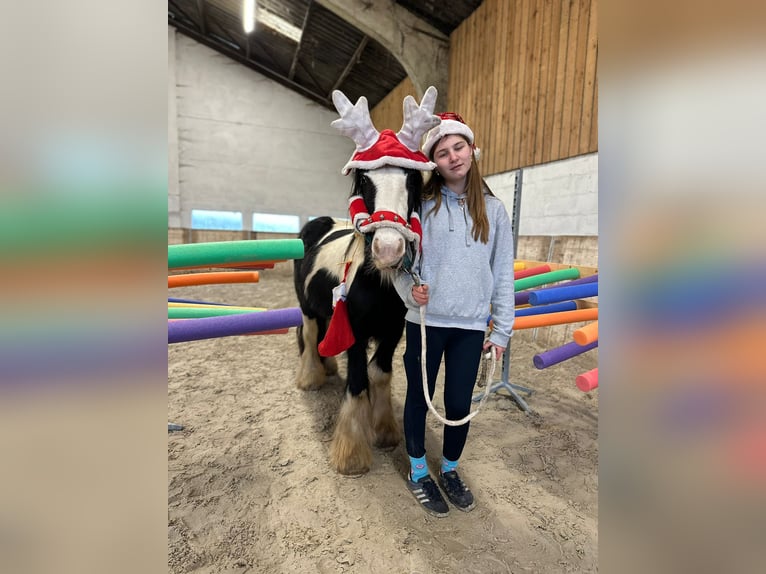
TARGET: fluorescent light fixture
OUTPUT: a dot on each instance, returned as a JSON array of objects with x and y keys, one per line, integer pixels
[
  {"x": 248, "y": 15},
  {"x": 281, "y": 26}
]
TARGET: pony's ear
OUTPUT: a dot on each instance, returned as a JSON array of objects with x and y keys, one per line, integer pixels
[{"x": 427, "y": 176}]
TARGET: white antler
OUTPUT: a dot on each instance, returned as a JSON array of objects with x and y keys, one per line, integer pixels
[
  {"x": 354, "y": 120},
  {"x": 418, "y": 119}
]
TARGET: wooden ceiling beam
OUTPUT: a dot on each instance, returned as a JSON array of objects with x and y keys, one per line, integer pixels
[
  {"x": 347, "y": 70},
  {"x": 202, "y": 9},
  {"x": 294, "y": 63}
]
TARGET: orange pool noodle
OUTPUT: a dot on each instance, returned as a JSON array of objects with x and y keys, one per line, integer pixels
[
  {"x": 212, "y": 278},
  {"x": 588, "y": 381},
  {"x": 586, "y": 335},
  {"x": 547, "y": 319},
  {"x": 519, "y": 265}
]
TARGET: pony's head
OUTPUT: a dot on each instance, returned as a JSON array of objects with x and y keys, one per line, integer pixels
[{"x": 388, "y": 178}]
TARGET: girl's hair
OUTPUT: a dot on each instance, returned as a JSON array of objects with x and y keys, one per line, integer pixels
[{"x": 475, "y": 188}]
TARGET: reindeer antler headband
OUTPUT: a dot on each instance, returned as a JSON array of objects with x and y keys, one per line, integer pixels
[{"x": 375, "y": 149}]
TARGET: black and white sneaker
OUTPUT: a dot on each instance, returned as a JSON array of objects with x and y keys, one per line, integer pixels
[
  {"x": 457, "y": 492},
  {"x": 428, "y": 495}
]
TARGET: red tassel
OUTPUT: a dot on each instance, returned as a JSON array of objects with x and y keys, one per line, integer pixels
[{"x": 339, "y": 336}]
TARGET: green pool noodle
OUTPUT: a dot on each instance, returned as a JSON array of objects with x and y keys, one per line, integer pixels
[
  {"x": 201, "y": 313},
  {"x": 543, "y": 278},
  {"x": 218, "y": 252}
]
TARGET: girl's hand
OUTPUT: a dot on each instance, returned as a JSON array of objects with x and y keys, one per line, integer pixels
[
  {"x": 498, "y": 350},
  {"x": 420, "y": 294}
]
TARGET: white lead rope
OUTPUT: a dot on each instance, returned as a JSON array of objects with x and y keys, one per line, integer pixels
[{"x": 431, "y": 408}]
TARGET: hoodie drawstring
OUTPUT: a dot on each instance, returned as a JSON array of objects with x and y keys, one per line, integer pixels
[{"x": 461, "y": 202}]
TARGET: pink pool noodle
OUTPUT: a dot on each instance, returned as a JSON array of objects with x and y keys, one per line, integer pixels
[{"x": 588, "y": 381}]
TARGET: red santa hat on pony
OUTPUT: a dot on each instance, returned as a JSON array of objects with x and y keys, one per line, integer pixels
[
  {"x": 451, "y": 124},
  {"x": 378, "y": 149},
  {"x": 375, "y": 150}
]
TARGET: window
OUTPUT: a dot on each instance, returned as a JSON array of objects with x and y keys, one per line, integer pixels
[
  {"x": 206, "y": 219},
  {"x": 276, "y": 223}
]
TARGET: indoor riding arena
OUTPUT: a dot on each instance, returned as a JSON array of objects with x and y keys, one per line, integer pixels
[{"x": 253, "y": 157}]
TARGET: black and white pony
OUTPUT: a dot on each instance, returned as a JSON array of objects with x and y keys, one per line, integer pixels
[{"x": 363, "y": 257}]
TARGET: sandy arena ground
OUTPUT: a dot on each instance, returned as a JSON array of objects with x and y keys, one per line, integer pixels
[{"x": 250, "y": 489}]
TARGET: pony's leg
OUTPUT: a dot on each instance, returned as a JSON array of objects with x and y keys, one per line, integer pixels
[
  {"x": 330, "y": 366},
  {"x": 350, "y": 451},
  {"x": 385, "y": 428},
  {"x": 311, "y": 371}
]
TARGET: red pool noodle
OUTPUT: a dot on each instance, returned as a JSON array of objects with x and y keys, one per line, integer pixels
[
  {"x": 531, "y": 271},
  {"x": 588, "y": 381},
  {"x": 249, "y": 265}
]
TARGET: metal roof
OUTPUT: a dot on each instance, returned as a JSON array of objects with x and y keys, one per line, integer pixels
[{"x": 306, "y": 47}]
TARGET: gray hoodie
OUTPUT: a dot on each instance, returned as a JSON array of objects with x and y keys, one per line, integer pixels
[{"x": 464, "y": 276}]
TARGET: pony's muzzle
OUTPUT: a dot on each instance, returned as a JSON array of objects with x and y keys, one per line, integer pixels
[{"x": 388, "y": 247}]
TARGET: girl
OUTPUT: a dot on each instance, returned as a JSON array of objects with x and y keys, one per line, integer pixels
[{"x": 466, "y": 268}]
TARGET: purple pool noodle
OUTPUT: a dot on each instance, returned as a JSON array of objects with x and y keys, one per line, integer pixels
[
  {"x": 562, "y": 353},
  {"x": 563, "y": 293},
  {"x": 229, "y": 325},
  {"x": 555, "y": 308},
  {"x": 522, "y": 297},
  {"x": 580, "y": 281},
  {"x": 176, "y": 300}
]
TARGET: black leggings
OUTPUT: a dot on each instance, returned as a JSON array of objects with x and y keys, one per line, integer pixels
[{"x": 461, "y": 349}]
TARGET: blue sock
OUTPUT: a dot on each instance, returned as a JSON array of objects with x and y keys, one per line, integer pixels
[
  {"x": 418, "y": 468},
  {"x": 448, "y": 465}
]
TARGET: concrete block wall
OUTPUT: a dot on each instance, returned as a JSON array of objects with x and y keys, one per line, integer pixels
[
  {"x": 239, "y": 141},
  {"x": 557, "y": 198}
]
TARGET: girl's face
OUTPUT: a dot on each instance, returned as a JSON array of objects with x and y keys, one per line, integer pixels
[{"x": 452, "y": 156}]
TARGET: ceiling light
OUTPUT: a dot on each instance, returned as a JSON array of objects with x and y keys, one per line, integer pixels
[{"x": 248, "y": 15}]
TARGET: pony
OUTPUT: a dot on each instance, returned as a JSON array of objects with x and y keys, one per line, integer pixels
[{"x": 344, "y": 282}]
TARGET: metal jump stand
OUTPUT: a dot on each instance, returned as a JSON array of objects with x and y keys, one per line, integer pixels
[
  {"x": 504, "y": 383},
  {"x": 510, "y": 387}
]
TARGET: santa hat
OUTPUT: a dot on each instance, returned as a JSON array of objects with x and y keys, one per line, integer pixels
[
  {"x": 339, "y": 335},
  {"x": 388, "y": 150},
  {"x": 451, "y": 124},
  {"x": 373, "y": 149}
]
